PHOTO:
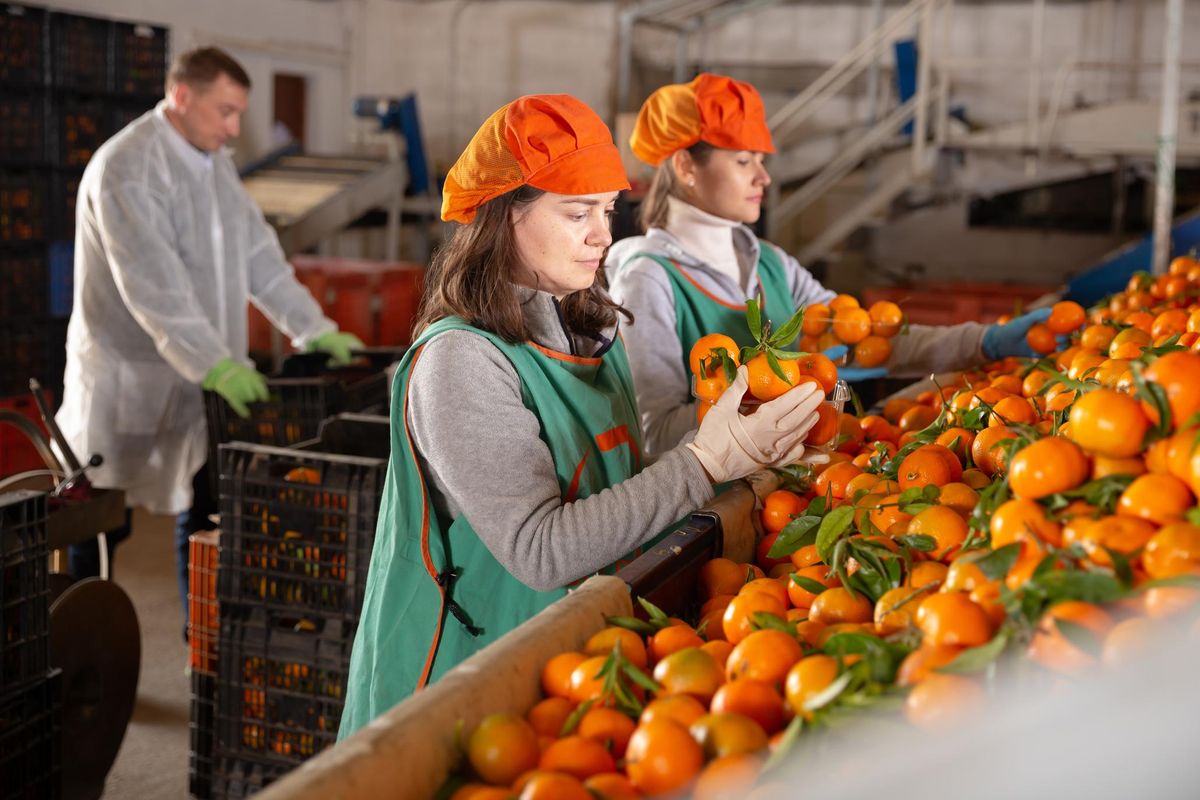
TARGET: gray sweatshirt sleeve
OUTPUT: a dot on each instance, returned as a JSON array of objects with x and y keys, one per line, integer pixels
[
  {"x": 482, "y": 449},
  {"x": 660, "y": 381},
  {"x": 805, "y": 289},
  {"x": 923, "y": 350},
  {"x": 929, "y": 349}
]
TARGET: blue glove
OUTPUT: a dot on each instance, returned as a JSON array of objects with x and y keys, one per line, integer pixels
[
  {"x": 853, "y": 374},
  {"x": 338, "y": 345},
  {"x": 1000, "y": 341}
]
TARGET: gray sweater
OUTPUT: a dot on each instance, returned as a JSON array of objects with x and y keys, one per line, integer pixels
[
  {"x": 656, "y": 354},
  {"x": 482, "y": 455}
]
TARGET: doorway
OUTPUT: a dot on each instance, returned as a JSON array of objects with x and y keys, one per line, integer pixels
[{"x": 290, "y": 109}]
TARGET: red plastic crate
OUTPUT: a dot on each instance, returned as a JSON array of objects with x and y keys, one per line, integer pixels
[
  {"x": 259, "y": 327},
  {"x": 949, "y": 302},
  {"x": 400, "y": 291},
  {"x": 17, "y": 453},
  {"x": 204, "y": 626}
]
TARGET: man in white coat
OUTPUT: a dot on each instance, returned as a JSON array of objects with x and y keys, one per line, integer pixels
[{"x": 168, "y": 250}]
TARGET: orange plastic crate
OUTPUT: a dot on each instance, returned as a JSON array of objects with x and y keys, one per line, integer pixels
[{"x": 204, "y": 626}]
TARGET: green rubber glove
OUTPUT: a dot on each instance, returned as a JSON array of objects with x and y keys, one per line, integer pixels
[
  {"x": 338, "y": 345},
  {"x": 238, "y": 384}
]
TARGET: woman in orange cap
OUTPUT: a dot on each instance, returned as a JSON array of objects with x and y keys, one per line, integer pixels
[
  {"x": 515, "y": 465},
  {"x": 699, "y": 262}
]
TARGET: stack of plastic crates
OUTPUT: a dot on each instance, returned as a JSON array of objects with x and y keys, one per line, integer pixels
[
  {"x": 30, "y": 693},
  {"x": 204, "y": 628},
  {"x": 297, "y": 527},
  {"x": 303, "y": 395}
]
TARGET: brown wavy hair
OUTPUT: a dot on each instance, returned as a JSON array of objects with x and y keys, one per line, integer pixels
[
  {"x": 471, "y": 277},
  {"x": 653, "y": 213}
]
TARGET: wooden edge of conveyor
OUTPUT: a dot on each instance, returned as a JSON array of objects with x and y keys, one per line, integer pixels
[{"x": 410, "y": 751}]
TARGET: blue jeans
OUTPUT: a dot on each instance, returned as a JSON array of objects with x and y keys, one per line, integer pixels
[
  {"x": 187, "y": 523},
  {"x": 83, "y": 560}
]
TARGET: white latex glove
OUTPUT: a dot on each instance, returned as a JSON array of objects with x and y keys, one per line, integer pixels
[{"x": 731, "y": 446}]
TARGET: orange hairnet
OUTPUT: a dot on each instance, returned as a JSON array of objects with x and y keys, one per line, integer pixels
[
  {"x": 712, "y": 108},
  {"x": 549, "y": 141}
]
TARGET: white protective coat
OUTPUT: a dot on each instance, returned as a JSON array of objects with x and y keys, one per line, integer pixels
[{"x": 169, "y": 249}]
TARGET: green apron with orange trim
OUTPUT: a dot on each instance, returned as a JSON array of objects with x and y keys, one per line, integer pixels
[
  {"x": 698, "y": 312},
  {"x": 435, "y": 594}
]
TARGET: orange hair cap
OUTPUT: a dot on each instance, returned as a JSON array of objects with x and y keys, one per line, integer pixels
[
  {"x": 712, "y": 108},
  {"x": 549, "y": 141}
]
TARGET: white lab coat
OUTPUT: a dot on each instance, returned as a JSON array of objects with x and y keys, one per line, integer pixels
[{"x": 168, "y": 250}]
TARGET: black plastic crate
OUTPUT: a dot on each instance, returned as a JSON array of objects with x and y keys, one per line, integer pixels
[
  {"x": 202, "y": 734},
  {"x": 31, "y": 740},
  {"x": 80, "y": 50},
  {"x": 239, "y": 776},
  {"x": 22, "y": 126},
  {"x": 297, "y": 528},
  {"x": 139, "y": 59},
  {"x": 125, "y": 112},
  {"x": 24, "y": 590},
  {"x": 280, "y": 690},
  {"x": 31, "y": 348},
  {"x": 64, "y": 194},
  {"x": 307, "y": 395},
  {"x": 80, "y": 125},
  {"x": 23, "y": 284},
  {"x": 55, "y": 344},
  {"x": 24, "y": 200},
  {"x": 24, "y": 39}
]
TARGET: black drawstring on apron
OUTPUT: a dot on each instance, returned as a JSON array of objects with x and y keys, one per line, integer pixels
[{"x": 446, "y": 581}]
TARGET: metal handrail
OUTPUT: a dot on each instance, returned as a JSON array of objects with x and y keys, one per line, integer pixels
[{"x": 844, "y": 70}]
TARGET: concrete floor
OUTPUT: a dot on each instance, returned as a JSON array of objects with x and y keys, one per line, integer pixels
[{"x": 153, "y": 761}]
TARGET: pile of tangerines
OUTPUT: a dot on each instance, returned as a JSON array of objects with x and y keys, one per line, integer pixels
[{"x": 1037, "y": 517}]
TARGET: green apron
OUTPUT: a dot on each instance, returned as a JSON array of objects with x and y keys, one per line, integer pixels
[
  {"x": 698, "y": 312},
  {"x": 435, "y": 594}
]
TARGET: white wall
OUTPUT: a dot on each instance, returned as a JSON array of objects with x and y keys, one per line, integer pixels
[
  {"x": 465, "y": 58},
  {"x": 305, "y": 37}
]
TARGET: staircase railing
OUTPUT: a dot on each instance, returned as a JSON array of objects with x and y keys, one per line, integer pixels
[{"x": 787, "y": 120}]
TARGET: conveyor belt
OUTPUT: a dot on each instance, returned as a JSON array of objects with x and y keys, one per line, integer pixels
[{"x": 308, "y": 197}]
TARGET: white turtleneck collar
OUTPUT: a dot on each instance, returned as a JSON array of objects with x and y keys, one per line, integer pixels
[{"x": 708, "y": 237}]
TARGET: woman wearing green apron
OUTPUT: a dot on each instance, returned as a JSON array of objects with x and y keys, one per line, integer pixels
[
  {"x": 699, "y": 262},
  {"x": 516, "y": 457}
]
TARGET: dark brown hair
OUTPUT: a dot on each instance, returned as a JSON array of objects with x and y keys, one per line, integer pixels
[
  {"x": 665, "y": 184},
  {"x": 472, "y": 277},
  {"x": 198, "y": 68}
]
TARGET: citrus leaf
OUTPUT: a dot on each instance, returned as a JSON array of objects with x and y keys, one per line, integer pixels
[
  {"x": 911, "y": 495},
  {"x": 808, "y": 584},
  {"x": 1193, "y": 515},
  {"x": 763, "y": 621},
  {"x": 996, "y": 564},
  {"x": 801, "y": 531},
  {"x": 754, "y": 319},
  {"x": 1091, "y": 587},
  {"x": 632, "y": 624},
  {"x": 817, "y": 507},
  {"x": 773, "y": 363},
  {"x": 572, "y": 721},
  {"x": 1080, "y": 636},
  {"x": 640, "y": 678},
  {"x": 856, "y": 401},
  {"x": 836, "y": 523},
  {"x": 918, "y": 541},
  {"x": 786, "y": 355},
  {"x": 1121, "y": 567},
  {"x": 786, "y": 743},
  {"x": 787, "y": 334},
  {"x": 657, "y": 615},
  {"x": 828, "y": 694},
  {"x": 977, "y": 658},
  {"x": 1192, "y": 581}
]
